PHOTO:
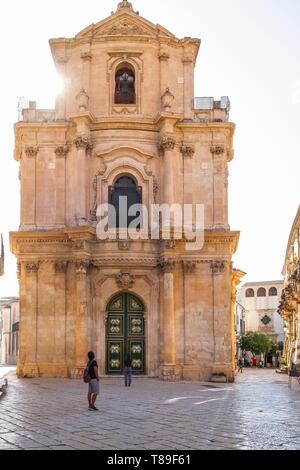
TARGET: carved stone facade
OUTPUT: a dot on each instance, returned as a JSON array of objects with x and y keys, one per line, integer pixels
[
  {"x": 69, "y": 164},
  {"x": 289, "y": 307}
]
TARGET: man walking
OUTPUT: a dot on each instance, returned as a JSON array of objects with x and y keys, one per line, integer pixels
[
  {"x": 128, "y": 371},
  {"x": 93, "y": 392}
]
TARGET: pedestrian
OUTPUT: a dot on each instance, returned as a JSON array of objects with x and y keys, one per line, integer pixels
[
  {"x": 241, "y": 365},
  {"x": 254, "y": 361},
  {"x": 128, "y": 371},
  {"x": 93, "y": 392}
]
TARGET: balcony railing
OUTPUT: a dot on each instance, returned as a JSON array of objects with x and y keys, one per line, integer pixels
[{"x": 207, "y": 109}]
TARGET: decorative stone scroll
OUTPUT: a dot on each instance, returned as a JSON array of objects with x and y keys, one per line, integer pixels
[{"x": 125, "y": 280}]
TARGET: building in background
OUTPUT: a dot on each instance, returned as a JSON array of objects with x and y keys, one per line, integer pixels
[
  {"x": 9, "y": 330},
  {"x": 260, "y": 301},
  {"x": 240, "y": 322},
  {"x": 289, "y": 307},
  {"x": 1, "y": 255}
]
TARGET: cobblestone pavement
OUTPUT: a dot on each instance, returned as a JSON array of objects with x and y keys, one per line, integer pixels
[{"x": 257, "y": 412}]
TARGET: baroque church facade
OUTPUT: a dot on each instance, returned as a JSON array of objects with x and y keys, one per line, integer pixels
[{"x": 126, "y": 124}]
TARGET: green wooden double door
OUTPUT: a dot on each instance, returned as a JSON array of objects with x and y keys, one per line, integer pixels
[{"x": 125, "y": 334}]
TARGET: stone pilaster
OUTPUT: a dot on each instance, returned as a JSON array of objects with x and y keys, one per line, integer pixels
[
  {"x": 83, "y": 146},
  {"x": 82, "y": 318},
  {"x": 168, "y": 370},
  {"x": 29, "y": 320},
  {"x": 167, "y": 145},
  {"x": 28, "y": 188},
  {"x": 191, "y": 366},
  {"x": 164, "y": 65},
  {"x": 220, "y": 218},
  {"x": 221, "y": 288},
  {"x": 60, "y": 313},
  {"x": 188, "y": 94},
  {"x": 61, "y": 152}
]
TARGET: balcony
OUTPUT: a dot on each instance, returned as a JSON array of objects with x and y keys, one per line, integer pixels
[
  {"x": 32, "y": 114},
  {"x": 208, "y": 109}
]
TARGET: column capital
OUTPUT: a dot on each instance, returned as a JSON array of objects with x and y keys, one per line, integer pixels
[
  {"x": 190, "y": 266},
  {"x": 163, "y": 56},
  {"x": 217, "y": 149},
  {"x": 217, "y": 267},
  {"x": 61, "y": 151},
  {"x": 83, "y": 142},
  {"x": 60, "y": 266},
  {"x": 86, "y": 56},
  {"x": 187, "y": 151},
  {"x": 31, "y": 151},
  {"x": 167, "y": 265},
  {"x": 32, "y": 267},
  {"x": 167, "y": 143},
  {"x": 82, "y": 266}
]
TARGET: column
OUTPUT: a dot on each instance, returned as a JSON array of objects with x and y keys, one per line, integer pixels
[
  {"x": 168, "y": 369},
  {"x": 81, "y": 324},
  {"x": 60, "y": 359},
  {"x": 61, "y": 152},
  {"x": 83, "y": 145},
  {"x": 163, "y": 58},
  {"x": 86, "y": 57},
  {"x": 191, "y": 368},
  {"x": 29, "y": 320},
  {"x": 60, "y": 104},
  {"x": 220, "y": 176},
  {"x": 221, "y": 318},
  {"x": 188, "y": 93},
  {"x": 167, "y": 145},
  {"x": 28, "y": 188}
]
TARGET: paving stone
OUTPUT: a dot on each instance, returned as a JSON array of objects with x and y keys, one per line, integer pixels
[{"x": 52, "y": 413}]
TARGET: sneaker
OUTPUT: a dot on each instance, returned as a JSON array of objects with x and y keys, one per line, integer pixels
[
  {"x": 94, "y": 408},
  {"x": 91, "y": 408}
]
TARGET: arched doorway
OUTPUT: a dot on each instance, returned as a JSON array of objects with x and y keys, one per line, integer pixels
[{"x": 125, "y": 334}]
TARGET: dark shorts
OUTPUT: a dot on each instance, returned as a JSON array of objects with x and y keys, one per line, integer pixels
[{"x": 94, "y": 386}]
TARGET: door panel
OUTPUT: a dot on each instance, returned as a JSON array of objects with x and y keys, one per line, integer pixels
[{"x": 125, "y": 334}]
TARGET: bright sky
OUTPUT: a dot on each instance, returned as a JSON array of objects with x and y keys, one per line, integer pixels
[{"x": 250, "y": 51}]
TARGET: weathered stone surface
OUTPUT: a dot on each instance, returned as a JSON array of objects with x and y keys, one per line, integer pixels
[{"x": 69, "y": 162}]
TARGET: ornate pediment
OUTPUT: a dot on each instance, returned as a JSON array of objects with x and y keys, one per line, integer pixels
[
  {"x": 124, "y": 23},
  {"x": 124, "y": 27}
]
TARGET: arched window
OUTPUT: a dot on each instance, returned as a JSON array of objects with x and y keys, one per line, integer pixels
[
  {"x": 249, "y": 293},
  {"x": 261, "y": 292},
  {"x": 126, "y": 188},
  {"x": 125, "y": 85},
  {"x": 273, "y": 292}
]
